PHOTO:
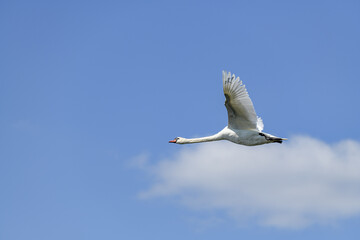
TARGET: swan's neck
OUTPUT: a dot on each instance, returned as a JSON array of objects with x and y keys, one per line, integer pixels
[{"x": 215, "y": 137}]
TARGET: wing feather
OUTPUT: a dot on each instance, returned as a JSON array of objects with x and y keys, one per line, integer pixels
[{"x": 241, "y": 112}]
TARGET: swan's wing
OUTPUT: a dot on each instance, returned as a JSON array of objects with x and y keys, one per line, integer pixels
[{"x": 241, "y": 112}]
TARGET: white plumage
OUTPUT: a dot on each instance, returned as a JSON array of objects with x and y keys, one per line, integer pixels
[{"x": 244, "y": 126}]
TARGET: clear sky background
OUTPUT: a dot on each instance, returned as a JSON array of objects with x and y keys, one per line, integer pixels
[{"x": 91, "y": 92}]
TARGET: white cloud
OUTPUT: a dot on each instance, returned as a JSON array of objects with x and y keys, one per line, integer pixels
[{"x": 302, "y": 182}]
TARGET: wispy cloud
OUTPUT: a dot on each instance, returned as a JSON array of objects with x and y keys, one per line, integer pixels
[{"x": 302, "y": 182}]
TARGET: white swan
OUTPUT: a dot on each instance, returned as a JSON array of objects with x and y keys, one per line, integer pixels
[{"x": 244, "y": 127}]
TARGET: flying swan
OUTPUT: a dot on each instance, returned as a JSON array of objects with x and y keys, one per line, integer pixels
[{"x": 244, "y": 126}]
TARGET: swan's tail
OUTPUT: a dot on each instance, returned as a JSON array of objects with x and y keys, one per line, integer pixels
[{"x": 259, "y": 124}]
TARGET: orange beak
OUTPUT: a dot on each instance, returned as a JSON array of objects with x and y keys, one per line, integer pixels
[{"x": 172, "y": 141}]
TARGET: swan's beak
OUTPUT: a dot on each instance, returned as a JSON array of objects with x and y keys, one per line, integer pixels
[{"x": 172, "y": 141}]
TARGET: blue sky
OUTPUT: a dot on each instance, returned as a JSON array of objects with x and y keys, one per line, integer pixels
[{"x": 91, "y": 92}]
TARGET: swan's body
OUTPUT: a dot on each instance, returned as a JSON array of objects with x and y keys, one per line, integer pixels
[{"x": 244, "y": 126}]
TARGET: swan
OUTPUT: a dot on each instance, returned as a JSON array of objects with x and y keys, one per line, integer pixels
[{"x": 244, "y": 126}]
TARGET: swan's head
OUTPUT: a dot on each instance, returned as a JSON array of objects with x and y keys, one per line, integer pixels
[{"x": 178, "y": 140}]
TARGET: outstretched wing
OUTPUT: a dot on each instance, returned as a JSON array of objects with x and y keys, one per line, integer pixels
[{"x": 241, "y": 112}]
